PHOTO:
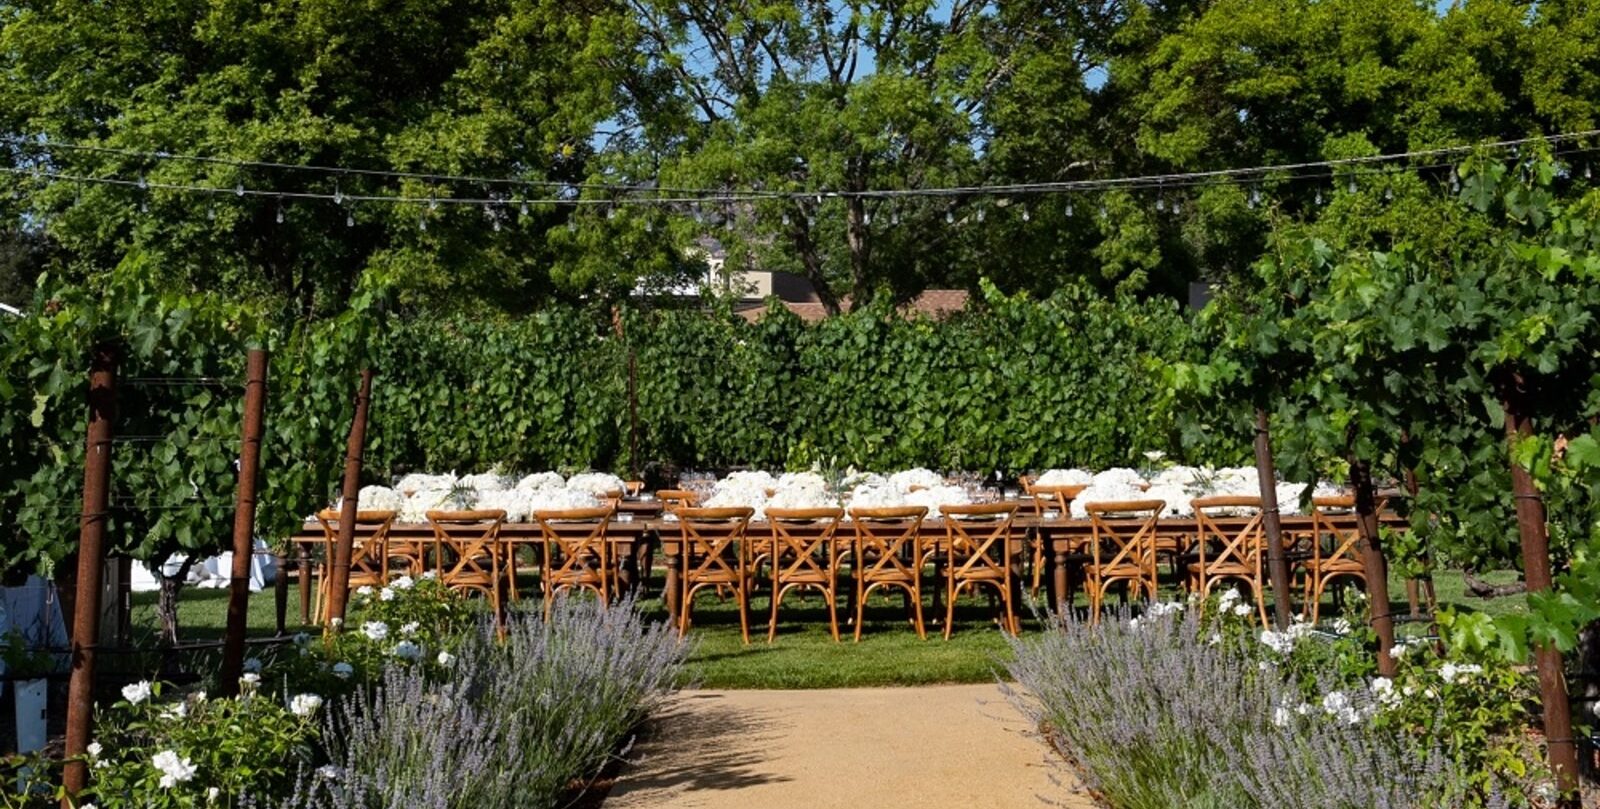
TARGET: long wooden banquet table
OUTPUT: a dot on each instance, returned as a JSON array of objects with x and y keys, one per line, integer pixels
[{"x": 636, "y": 537}]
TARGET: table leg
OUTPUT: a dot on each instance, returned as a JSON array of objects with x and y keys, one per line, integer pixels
[
  {"x": 627, "y": 566},
  {"x": 1058, "y": 579},
  {"x": 673, "y": 565},
  {"x": 280, "y": 594},
  {"x": 303, "y": 566}
]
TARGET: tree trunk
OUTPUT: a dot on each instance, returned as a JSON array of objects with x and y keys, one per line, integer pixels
[
  {"x": 167, "y": 599},
  {"x": 1373, "y": 563},
  {"x": 1531, "y": 528},
  {"x": 800, "y": 234},
  {"x": 1271, "y": 525}
]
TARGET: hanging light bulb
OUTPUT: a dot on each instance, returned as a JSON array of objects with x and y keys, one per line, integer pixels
[
  {"x": 727, "y": 221},
  {"x": 422, "y": 222},
  {"x": 433, "y": 204},
  {"x": 338, "y": 194},
  {"x": 279, "y": 216},
  {"x": 699, "y": 217},
  {"x": 1388, "y": 194},
  {"x": 811, "y": 221},
  {"x": 1161, "y": 203},
  {"x": 894, "y": 216},
  {"x": 1177, "y": 207},
  {"x": 980, "y": 213},
  {"x": 572, "y": 222},
  {"x": 524, "y": 208},
  {"x": 1351, "y": 187},
  {"x": 350, "y": 218},
  {"x": 866, "y": 217},
  {"x": 494, "y": 222},
  {"x": 143, "y": 186},
  {"x": 949, "y": 216},
  {"x": 1026, "y": 216},
  {"x": 611, "y": 212},
  {"x": 1069, "y": 211},
  {"x": 785, "y": 218},
  {"x": 1318, "y": 199},
  {"x": 238, "y": 189},
  {"x": 211, "y": 212},
  {"x": 144, "y": 204},
  {"x": 1102, "y": 210},
  {"x": 1588, "y": 173}
]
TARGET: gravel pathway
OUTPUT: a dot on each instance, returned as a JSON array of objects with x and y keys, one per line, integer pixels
[{"x": 932, "y": 747}]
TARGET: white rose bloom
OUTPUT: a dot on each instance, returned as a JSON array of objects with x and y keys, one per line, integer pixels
[
  {"x": 305, "y": 704},
  {"x": 174, "y": 770},
  {"x": 386, "y": 594},
  {"x": 1241, "y": 609},
  {"x": 138, "y": 692},
  {"x": 95, "y": 749},
  {"x": 212, "y": 794},
  {"x": 409, "y": 629},
  {"x": 402, "y": 583},
  {"x": 446, "y": 659},
  {"x": 364, "y": 590},
  {"x": 375, "y": 630}
]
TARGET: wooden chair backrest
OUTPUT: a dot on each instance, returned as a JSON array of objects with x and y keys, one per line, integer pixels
[
  {"x": 1243, "y": 547},
  {"x": 369, "y": 555},
  {"x": 1055, "y": 497},
  {"x": 799, "y": 536},
  {"x": 633, "y": 487},
  {"x": 674, "y": 499},
  {"x": 1334, "y": 516},
  {"x": 889, "y": 541},
  {"x": 713, "y": 541},
  {"x": 473, "y": 538},
  {"x": 572, "y": 538},
  {"x": 979, "y": 537},
  {"x": 1112, "y": 545}
]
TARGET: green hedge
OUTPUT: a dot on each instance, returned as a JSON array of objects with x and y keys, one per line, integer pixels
[{"x": 1012, "y": 384}]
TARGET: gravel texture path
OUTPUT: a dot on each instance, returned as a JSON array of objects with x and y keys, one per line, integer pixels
[{"x": 931, "y": 747}]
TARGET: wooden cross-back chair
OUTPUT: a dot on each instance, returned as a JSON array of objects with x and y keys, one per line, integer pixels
[
  {"x": 1041, "y": 499},
  {"x": 1226, "y": 555},
  {"x": 978, "y": 538},
  {"x": 805, "y": 555},
  {"x": 577, "y": 553},
  {"x": 888, "y": 553},
  {"x": 713, "y": 553},
  {"x": 633, "y": 487},
  {"x": 369, "y": 554},
  {"x": 1120, "y": 551},
  {"x": 1335, "y": 548},
  {"x": 468, "y": 551},
  {"x": 674, "y": 499}
]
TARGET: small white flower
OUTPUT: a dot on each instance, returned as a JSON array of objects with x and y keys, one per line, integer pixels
[
  {"x": 1281, "y": 716},
  {"x": 1450, "y": 672},
  {"x": 364, "y": 590},
  {"x": 329, "y": 772},
  {"x": 447, "y": 660},
  {"x": 1398, "y": 650},
  {"x": 1304, "y": 709},
  {"x": 1341, "y": 626},
  {"x": 1262, "y": 665},
  {"x": 1215, "y": 639},
  {"x": 1280, "y": 642},
  {"x": 431, "y": 575},
  {"x": 1154, "y": 455},
  {"x": 336, "y": 622},
  {"x": 1228, "y": 596},
  {"x": 304, "y": 705},
  {"x": 386, "y": 594},
  {"x": 249, "y": 683},
  {"x": 95, "y": 749},
  {"x": 198, "y": 697},
  {"x": 176, "y": 710},
  {"x": 1241, "y": 610},
  {"x": 343, "y": 671},
  {"x": 409, "y": 629},
  {"x": 1133, "y": 624},
  {"x": 212, "y": 794},
  {"x": 402, "y": 583},
  {"x": 1163, "y": 608},
  {"x": 174, "y": 770},
  {"x": 375, "y": 630},
  {"x": 1383, "y": 688},
  {"x": 138, "y": 692},
  {"x": 406, "y": 650},
  {"x": 252, "y": 664}
]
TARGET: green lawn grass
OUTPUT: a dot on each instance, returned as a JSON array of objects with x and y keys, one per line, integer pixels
[{"x": 803, "y": 655}]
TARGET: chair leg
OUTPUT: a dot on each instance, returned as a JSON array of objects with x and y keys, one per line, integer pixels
[
  {"x": 833, "y": 612},
  {"x": 861, "y": 600},
  {"x": 916, "y": 604},
  {"x": 950, "y": 609},
  {"x": 741, "y": 594},
  {"x": 772, "y": 625}
]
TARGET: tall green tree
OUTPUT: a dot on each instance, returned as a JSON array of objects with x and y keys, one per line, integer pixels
[{"x": 495, "y": 88}]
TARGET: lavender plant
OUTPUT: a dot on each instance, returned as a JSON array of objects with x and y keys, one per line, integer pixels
[
  {"x": 1166, "y": 711},
  {"x": 520, "y": 723}
]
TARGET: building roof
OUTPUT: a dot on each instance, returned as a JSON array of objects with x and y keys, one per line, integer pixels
[{"x": 934, "y": 303}]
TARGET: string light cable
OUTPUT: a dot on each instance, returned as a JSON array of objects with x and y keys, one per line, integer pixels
[{"x": 663, "y": 197}]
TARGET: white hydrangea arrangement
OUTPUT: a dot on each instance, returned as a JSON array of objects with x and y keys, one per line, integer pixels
[
  {"x": 1065, "y": 477},
  {"x": 595, "y": 483},
  {"x": 541, "y": 480},
  {"x": 414, "y": 483},
  {"x": 918, "y": 478},
  {"x": 380, "y": 498}
]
